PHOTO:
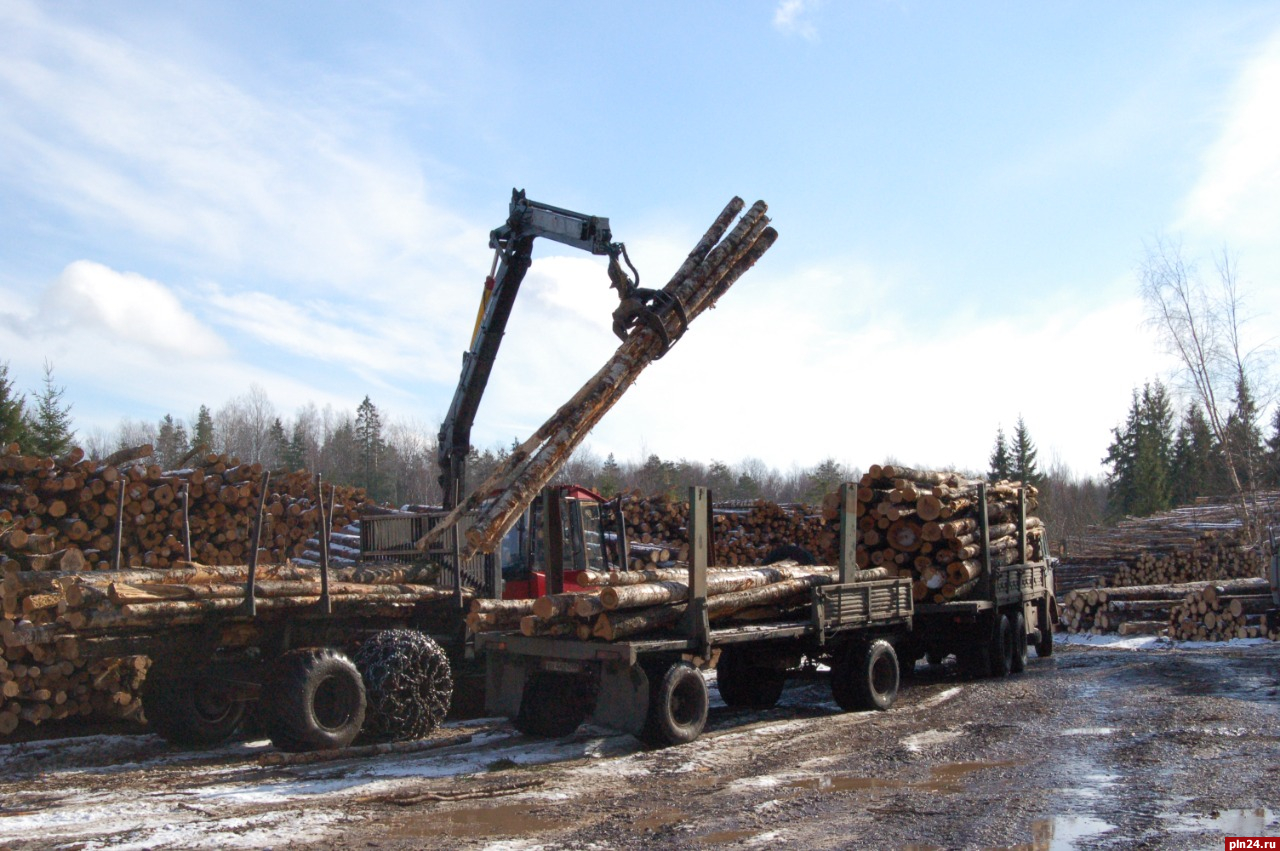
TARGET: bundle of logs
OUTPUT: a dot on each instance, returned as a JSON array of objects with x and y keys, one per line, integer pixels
[
  {"x": 1193, "y": 543},
  {"x": 1190, "y": 611},
  {"x": 925, "y": 524},
  {"x": 49, "y": 668},
  {"x": 634, "y": 603},
  {"x": 68, "y": 513},
  {"x": 1223, "y": 611},
  {"x": 745, "y": 533}
]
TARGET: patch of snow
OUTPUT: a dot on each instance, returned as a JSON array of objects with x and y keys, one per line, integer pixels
[
  {"x": 1150, "y": 642},
  {"x": 929, "y": 738}
]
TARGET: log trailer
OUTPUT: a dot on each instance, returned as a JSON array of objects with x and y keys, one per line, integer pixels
[
  {"x": 867, "y": 631},
  {"x": 296, "y": 663}
]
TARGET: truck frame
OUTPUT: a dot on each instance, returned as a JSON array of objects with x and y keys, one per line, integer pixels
[{"x": 866, "y": 632}]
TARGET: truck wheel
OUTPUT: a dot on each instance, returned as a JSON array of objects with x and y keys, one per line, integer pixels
[
  {"x": 1019, "y": 663},
  {"x": 742, "y": 685},
  {"x": 1044, "y": 647},
  {"x": 407, "y": 683},
  {"x": 790, "y": 552},
  {"x": 1001, "y": 651},
  {"x": 553, "y": 705},
  {"x": 316, "y": 701},
  {"x": 677, "y": 707},
  {"x": 191, "y": 711},
  {"x": 866, "y": 677}
]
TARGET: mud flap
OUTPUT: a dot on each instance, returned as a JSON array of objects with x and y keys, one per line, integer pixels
[
  {"x": 623, "y": 700},
  {"x": 504, "y": 678}
]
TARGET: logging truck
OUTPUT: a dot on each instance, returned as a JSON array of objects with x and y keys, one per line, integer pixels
[{"x": 865, "y": 627}]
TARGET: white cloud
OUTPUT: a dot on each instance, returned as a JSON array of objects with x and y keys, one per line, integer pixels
[{"x": 791, "y": 16}]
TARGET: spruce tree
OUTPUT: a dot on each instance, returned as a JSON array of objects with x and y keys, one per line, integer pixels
[
  {"x": 1244, "y": 435},
  {"x": 277, "y": 443},
  {"x": 1024, "y": 466},
  {"x": 1271, "y": 475},
  {"x": 371, "y": 446},
  {"x": 1141, "y": 456},
  {"x": 610, "y": 477},
  {"x": 295, "y": 455},
  {"x": 1196, "y": 459},
  {"x": 50, "y": 423},
  {"x": 171, "y": 442},
  {"x": 13, "y": 420},
  {"x": 1001, "y": 463},
  {"x": 204, "y": 429}
]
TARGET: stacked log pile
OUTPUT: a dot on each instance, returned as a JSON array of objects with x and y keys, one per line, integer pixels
[
  {"x": 1194, "y": 543},
  {"x": 924, "y": 524},
  {"x": 744, "y": 532},
  {"x": 48, "y": 668},
  {"x": 635, "y": 603},
  {"x": 1223, "y": 611}
]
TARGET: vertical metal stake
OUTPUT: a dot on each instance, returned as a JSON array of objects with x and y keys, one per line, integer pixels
[
  {"x": 848, "y": 532},
  {"x": 553, "y": 528},
  {"x": 119, "y": 544},
  {"x": 186, "y": 521},
  {"x": 250, "y": 586},
  {"x": 699, "y": 558},
  {"x": 326, "y": 604}
]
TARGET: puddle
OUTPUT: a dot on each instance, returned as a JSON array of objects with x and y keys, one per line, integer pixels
[
  {"x": 944, "y": 779},
  {"x": 1061, "y": 833},
  {"x": 1250, "y": 821},
  {"x": 504, "y": 820},
  {"x": 721, "y": 837},
  {"x": 658, "y": 819}
]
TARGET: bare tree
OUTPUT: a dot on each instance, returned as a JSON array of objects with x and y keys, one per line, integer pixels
[{"x": 1203, "y": 330}]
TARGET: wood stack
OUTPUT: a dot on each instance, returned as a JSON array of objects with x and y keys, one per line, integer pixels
[
  {"x": 635, "y": 603},
  {"x": 744, "y": 532},
  {"x": 65, "y": 513},
  {"x": 1153, "y": 608},
  {"x": 50, "y": 668},
  {"x": 1194, "y": 543},
  {"x": 1223, "y": 611},
  {"x": 924, "y": 524}
]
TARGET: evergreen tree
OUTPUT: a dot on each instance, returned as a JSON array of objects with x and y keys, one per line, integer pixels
[
  {"x": 13, "y": 420},
  {"x": 371, "y": 447},
  {"x": 1024, "y": 467},
  {"x": 295, "y": 454},
  {"x": 277, "y": 443},
  {"x": 1244, "y": 435},
  {"x": 825, "y": 478},
  {"x": 610, "y": 477},
  {"x": 50, "y": 423},
  {"x": 171, "y": 442},
  {"x": 1141, "y": 456},
  {"x": 1195, "y": 459},
  {"x": 1001, "y": 464},
  {"x": 204, "y": 429}
]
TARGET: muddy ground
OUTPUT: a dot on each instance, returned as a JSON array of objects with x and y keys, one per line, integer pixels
[{"x": 1096, "y": 747}]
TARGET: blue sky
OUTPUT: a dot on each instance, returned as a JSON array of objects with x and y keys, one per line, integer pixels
[{"x": 199, "y": 197}]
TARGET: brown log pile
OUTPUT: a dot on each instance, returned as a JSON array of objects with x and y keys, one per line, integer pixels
[
  {"x": 1221, "y": 612},
  {"x": 64, "y": 514},
  {"x": 924, "y": 524},
  {"x": 744, "y": 532},
  {"x": 639, "y": 603},
  {"x": 1194, "y": 543}
]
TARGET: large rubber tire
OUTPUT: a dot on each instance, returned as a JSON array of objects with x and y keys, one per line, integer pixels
[
  {"x": 1044, "y": 647},
  {"x": 314, "y": 700},
  {"x": 1019, "y": 662},
  {"x": 744, "y": 685},
  {"x": 408, "y": 685},
  {"x": 790, "y": 552},
  {"x": 553, "y": 705},
  {"x": 865, "y": 676},
  {"x": 677, "y": 706},
  {"x": 191, "y": 711},
  {"x": 1001, "y": 647}
]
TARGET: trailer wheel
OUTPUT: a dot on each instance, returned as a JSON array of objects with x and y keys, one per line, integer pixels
[
  {"x": 316, "y": 700},
  {"x": 407, "y": 682},
  {"x": 866, "y": 676},
  {"x": 553, "y": 705},
  {"x": 1044, "y": 647},
  {"x": 744, "y": 685},
  {"x": 191, "y": 711},
  {"x": 677, "y": 706},
  {"x": 1001, "y": 651},
  {"x": 790, "y": 552},
  {"x": 1019, "y": 661}
]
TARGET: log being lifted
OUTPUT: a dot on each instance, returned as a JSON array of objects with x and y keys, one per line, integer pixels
[{"x": 711, "y": 268}]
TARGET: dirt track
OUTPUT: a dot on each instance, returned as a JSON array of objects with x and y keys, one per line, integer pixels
[{"x": 1095, "y": 747}]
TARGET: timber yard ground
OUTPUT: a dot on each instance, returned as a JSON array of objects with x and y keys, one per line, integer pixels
[{"x": 1120, "y": 745}]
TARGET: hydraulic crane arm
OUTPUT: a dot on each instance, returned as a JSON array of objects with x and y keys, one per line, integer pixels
[{"x": 513, "y": 250}]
